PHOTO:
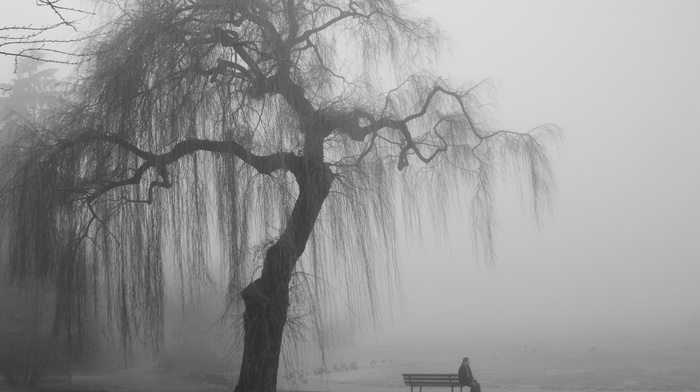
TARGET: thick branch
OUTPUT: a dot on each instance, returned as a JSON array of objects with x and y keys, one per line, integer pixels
[
  {"x": 266, "y": 164},
  {"x": 349, "y": 124},
  {"x": 357, "y": 132},
  {"x": 292, "y": 20},
  {"x": 231, "y": 39},
  {"x": 292, "y": 93}
]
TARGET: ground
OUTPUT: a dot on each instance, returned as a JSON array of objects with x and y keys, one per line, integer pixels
[{"x": 655, "y": 359}]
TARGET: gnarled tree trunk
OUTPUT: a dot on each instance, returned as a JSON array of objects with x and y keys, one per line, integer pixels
[
  {"x": 266, "y": 299},
  {"x": 264, "y": 319}
]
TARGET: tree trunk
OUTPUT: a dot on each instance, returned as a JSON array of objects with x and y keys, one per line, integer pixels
[
  {"x": 263, "y": 323},
  {"x": 266, "y": 299}
]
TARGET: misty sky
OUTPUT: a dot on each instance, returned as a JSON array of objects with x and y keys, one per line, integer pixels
[{"x": 622, "y": 245}]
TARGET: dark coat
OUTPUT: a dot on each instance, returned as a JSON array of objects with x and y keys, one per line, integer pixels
[{"x": 465, "y": 375}]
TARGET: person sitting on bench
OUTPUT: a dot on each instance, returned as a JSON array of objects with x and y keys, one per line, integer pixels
[{"x": 466, "y": 377}]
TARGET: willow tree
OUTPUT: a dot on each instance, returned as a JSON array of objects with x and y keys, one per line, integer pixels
[{"x": 278, "y": 135}]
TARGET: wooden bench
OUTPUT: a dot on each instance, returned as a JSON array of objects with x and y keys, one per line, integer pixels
[{"x": 432, "y": 380}]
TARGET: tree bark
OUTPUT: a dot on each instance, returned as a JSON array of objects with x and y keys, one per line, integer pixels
[
  {"x": 266, "y": 299},
  {"x": 263, "y": 323}
]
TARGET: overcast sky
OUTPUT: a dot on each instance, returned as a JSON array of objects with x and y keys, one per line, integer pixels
[{"x": 622, "y": 245}]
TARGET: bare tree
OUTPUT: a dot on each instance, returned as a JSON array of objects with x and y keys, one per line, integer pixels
[
  {"x": 285, "y": 132},
  {"x": 52, "y": 42}
]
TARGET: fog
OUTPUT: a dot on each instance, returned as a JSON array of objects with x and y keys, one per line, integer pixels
[{"x": 620, "y": 249}]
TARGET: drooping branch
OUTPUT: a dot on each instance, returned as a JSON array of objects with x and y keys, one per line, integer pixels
[
  {"x": 342, "y": 15},
  {"x": 358, "y": 132},
  {"x": 360, "y": 123},
  {"x": 262, "y": 164},
  {"x": 154, "y": 85}
]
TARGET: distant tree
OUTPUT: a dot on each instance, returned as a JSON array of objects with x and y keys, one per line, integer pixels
[
  {"x": 285, "y": 132},
  {"x": 28, "y": 339},
  {"x": 30, "y": 90}
]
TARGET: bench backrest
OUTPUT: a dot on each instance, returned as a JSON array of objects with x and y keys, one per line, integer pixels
[{"x": 431, "y": 380}]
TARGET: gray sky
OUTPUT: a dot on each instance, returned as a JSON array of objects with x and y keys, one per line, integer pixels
[{"x": 622, "y": 245}]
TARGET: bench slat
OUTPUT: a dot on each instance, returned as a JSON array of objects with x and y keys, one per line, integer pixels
[
  {"x": 434, "y": 384},
  {"x": 431, "y": 380},
  {"x": 425, "y": 379}
]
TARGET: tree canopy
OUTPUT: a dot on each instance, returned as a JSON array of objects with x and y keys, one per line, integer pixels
[{"x": 278, "y": 137}]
